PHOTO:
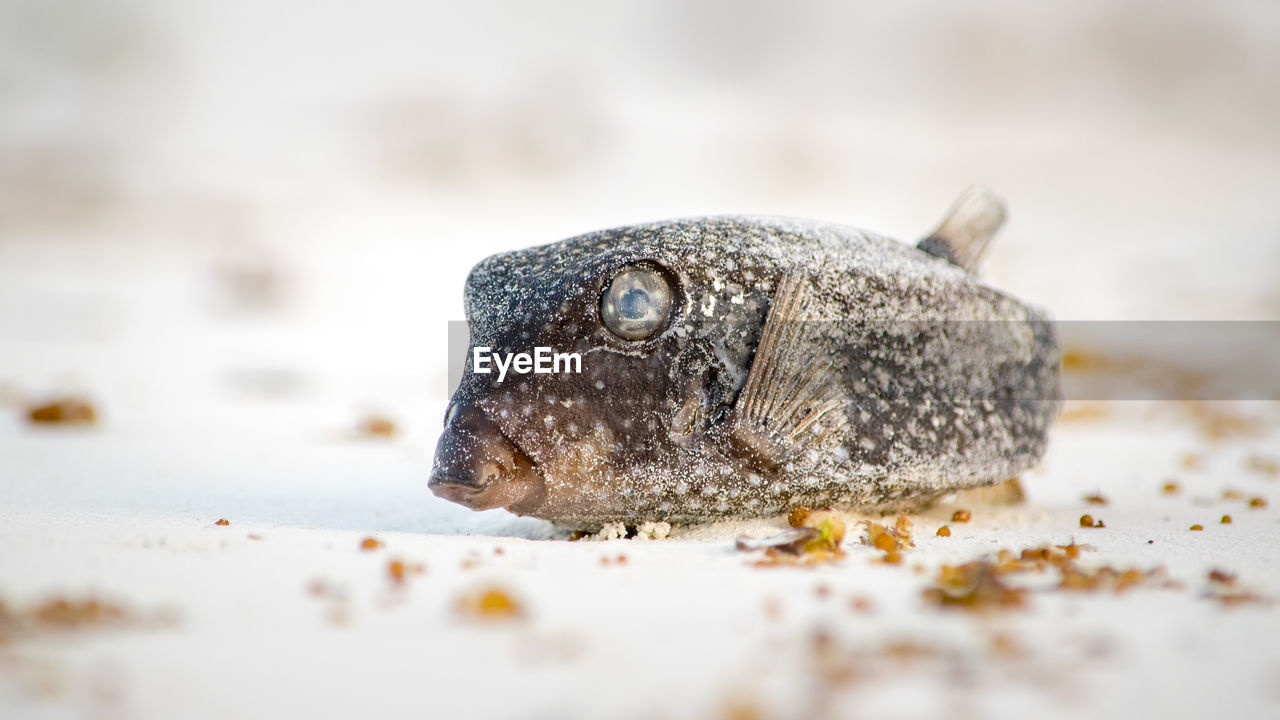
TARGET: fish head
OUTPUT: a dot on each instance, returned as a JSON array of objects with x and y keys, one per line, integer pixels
[{"x": 662, "y": 340}]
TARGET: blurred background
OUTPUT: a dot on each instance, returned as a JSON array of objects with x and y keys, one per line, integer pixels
[
  {"x": 283, "y": 199},
  {"x": 235, "y": 232}
]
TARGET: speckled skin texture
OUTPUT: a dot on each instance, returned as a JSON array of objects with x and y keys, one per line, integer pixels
[{"x": 941, "y": 381}]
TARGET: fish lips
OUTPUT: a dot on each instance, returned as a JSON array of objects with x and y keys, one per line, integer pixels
[{"x": 478, "y": 466}]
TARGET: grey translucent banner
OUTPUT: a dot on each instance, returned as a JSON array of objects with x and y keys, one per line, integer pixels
[
  {"x": 459, "y": 341},
  {"x": 1101, "y": 360},
  {"x": 1170, "y": 360}
]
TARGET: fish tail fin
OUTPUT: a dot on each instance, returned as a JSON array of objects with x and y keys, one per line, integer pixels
[{"x": 965, "y": 233}]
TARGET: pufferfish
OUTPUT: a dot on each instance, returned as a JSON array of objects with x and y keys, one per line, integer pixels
[{"x": 735, "y": 367}]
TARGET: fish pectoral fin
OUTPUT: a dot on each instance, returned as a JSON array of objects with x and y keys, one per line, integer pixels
[
  {"x": 964, "y": 235},
  {"x": 792, "y": 397}
]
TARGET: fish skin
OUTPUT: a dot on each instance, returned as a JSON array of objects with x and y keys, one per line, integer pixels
[{"x": 646, "y": 431}]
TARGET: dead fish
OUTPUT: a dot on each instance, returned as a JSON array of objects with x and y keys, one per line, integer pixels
[{"x": 739, "y": 367}]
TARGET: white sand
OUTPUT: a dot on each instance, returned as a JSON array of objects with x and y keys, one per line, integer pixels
[{"x": 351, "y": 161}]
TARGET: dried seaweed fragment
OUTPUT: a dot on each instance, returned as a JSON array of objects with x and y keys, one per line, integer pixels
[
  {"x": 891, "y": 540},
  {"x": 1046, "y": 557},
  {"x": 376, "y": 426},
  {"x": 63, "y": 411},
  {"x": 1104, "y": 578},
  {"x": 399, "y": 571},
  {"x": 815, "y": 537},
  {"x": 828, "y": 523},
  {"x": 63, "y": 614},
  {"x": 973, "y": 586},
  {"x": 1221, "y": 577},
  {"x": 1225, "y": 589},
  {"x": 1243, "y": 597},
  {"x": 490, "y": 603},
  {"x": 1216, "y": 422},
  {"x": 1263, "y": 464}
]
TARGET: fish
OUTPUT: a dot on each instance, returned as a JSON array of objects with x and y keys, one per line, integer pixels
[{"x": 742, "y": 366}]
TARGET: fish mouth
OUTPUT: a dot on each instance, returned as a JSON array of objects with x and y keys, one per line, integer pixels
[
  {"x": 478, "y": 466},
  {"x": 514, "y": 495}
]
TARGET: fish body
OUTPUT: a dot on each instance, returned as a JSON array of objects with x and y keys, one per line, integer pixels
[{"x": 766, "y": 364}]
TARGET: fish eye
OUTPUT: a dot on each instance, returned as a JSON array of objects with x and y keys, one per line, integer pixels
[{"x": 636, "y": 303}]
